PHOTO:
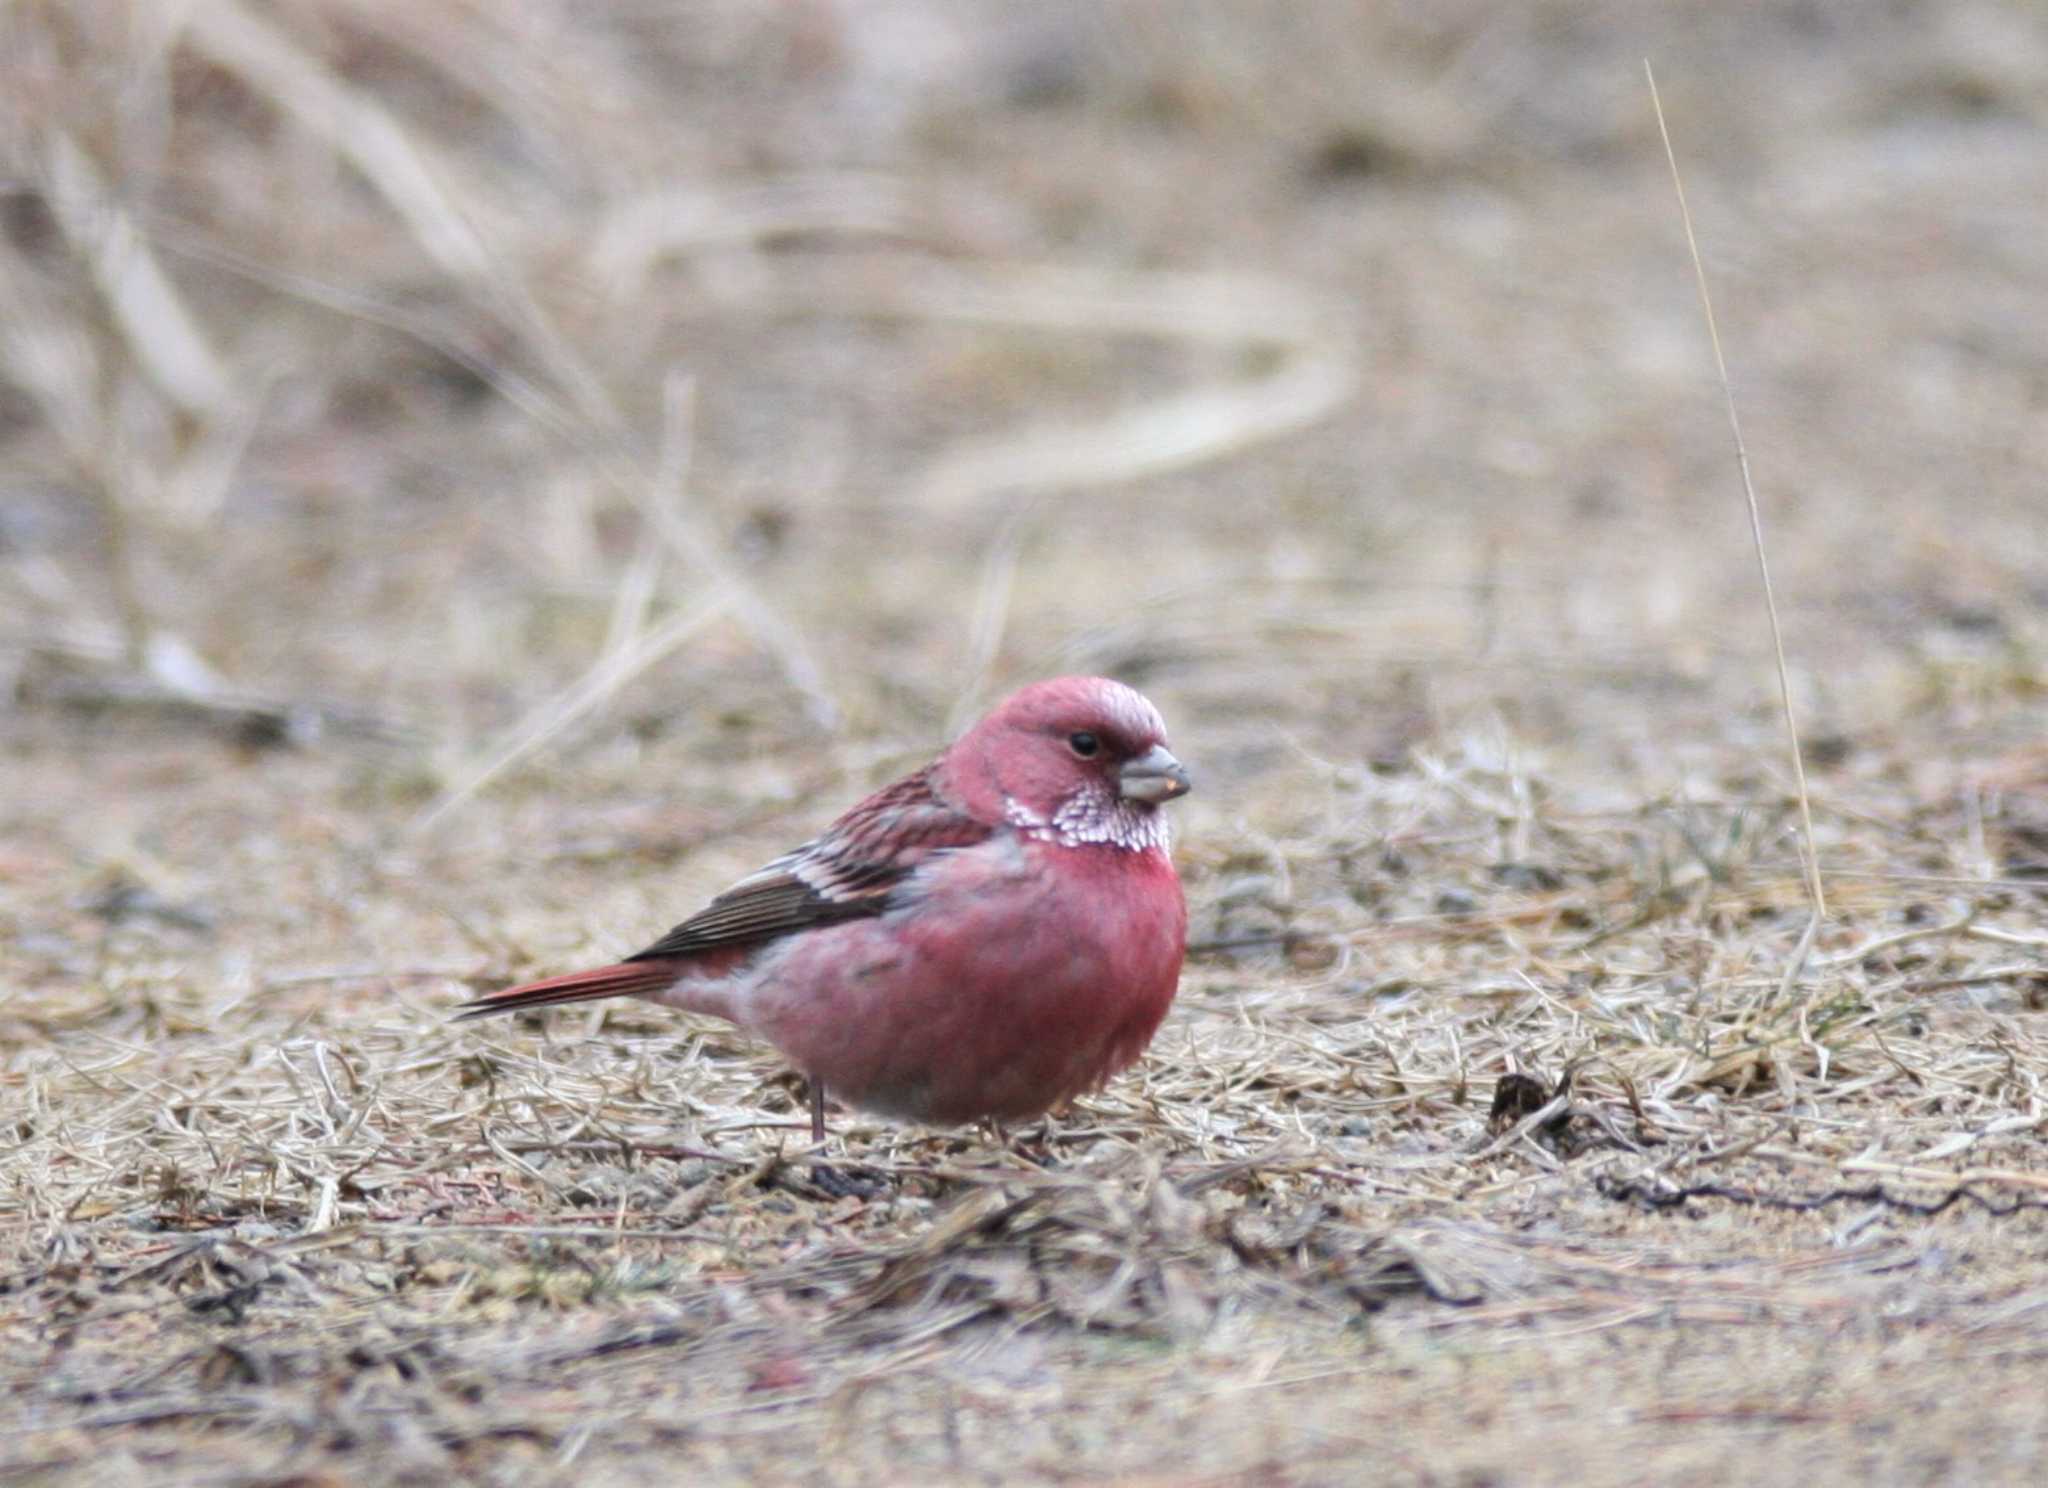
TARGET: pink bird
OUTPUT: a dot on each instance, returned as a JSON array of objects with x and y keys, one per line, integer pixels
[{"x": 982, "y": 940}]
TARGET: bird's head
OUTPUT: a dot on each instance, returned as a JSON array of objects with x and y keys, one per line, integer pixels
[{"x": 1075, "y": 760}]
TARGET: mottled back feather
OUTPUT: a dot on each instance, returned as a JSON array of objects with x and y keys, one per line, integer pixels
[{"x": 847, "y": 872}]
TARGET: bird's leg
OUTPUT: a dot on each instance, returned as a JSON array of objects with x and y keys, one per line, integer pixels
[
  {"x": 855, "y": 1179},
  {"x": 1016, "y": 1143},
  {"x": 1045, "y": 1137}
]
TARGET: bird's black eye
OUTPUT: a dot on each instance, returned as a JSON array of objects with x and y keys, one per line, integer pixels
[{"x": 1084, "y": 744}]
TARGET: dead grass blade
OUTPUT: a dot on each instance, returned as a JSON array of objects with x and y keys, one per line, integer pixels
[{"x": 1808, "y": 849}]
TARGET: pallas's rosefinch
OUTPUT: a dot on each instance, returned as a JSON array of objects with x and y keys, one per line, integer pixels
[{"x": 984, "y": 939}]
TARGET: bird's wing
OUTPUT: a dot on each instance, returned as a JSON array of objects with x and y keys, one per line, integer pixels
[{"x": 848, "y": 871}]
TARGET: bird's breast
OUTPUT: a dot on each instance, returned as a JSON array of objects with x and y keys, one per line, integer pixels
[{"x": 1007, "y": 978}]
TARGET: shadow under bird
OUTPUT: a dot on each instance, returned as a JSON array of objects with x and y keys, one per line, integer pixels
[{"x": 984, "y": 939}]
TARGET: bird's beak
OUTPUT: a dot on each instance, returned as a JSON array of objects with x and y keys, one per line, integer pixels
[{"x": 1153, "y": 776}]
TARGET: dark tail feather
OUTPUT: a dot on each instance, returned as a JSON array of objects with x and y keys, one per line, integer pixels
[{"x": 626, "y": 978}]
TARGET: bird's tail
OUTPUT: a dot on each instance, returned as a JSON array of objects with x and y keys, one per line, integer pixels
[{"x": 626, "y": 979}]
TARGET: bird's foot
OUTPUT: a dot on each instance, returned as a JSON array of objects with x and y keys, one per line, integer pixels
[{"x": 1033, "y": 1147}]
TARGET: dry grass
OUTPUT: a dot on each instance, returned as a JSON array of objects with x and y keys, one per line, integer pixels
[{"x": 646, "y": 434}]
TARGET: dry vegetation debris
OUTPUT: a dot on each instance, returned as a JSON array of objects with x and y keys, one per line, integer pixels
[
  {"x": 390, "y": 393},
  {"x": 302, "y": 1210}
]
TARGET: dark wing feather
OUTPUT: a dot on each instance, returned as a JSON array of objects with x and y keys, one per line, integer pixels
[{"x": 847, "y": 872}]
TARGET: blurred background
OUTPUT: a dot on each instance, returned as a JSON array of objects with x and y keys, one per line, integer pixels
[
  {"x": 666, "y": 420},
  {"x": 624, "y": 407}
]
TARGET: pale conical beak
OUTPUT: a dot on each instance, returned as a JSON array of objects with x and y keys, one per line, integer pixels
[{"x": 1153, "y": 776}]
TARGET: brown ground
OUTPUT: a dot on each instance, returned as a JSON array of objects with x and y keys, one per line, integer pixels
[{"x": 694, "y": 410}]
